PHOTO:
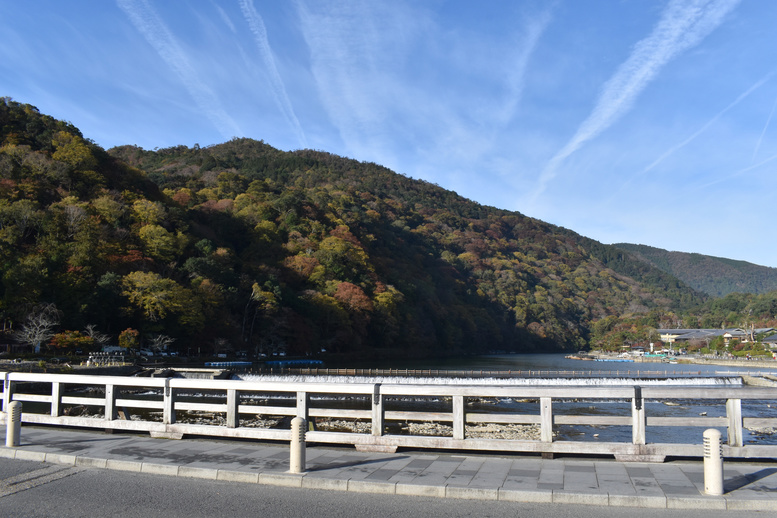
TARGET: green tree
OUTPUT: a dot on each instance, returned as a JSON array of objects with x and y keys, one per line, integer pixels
[
  {"x": 129, "y": 338},
  {"x": 158, "y": 242},
  {"x": 155, "y": 296},
  {"x": 148, "y": 212}
]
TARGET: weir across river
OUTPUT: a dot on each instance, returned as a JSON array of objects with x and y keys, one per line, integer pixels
[{"x": 163, "y": 407}]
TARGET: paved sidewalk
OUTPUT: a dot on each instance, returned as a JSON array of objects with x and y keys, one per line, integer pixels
[{"x": 747, "y": 485}]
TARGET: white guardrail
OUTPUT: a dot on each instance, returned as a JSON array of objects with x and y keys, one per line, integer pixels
[{"x": 48, "y": 398}]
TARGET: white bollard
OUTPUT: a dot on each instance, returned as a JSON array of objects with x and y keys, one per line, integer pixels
[
  {"x": 713, "y": 463},
  {"x": 297, "y": 447},
  {"x": 13, "y": 424}
]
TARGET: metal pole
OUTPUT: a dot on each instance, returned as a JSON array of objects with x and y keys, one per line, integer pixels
[
  {"x": 13, "y": 425},
  {"x": 713, "y": 463},
  {"x": 297, "y": 447}
]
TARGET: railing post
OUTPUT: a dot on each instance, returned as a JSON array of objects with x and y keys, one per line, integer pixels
[
  {"x": 546, "y": 419},
  {"x": 233, "y": 418},
  {"x": 638, "y": 417},
  {"x": 378, "y": 413},
  {"x": 458, "y": 418},
  {"x": 302, "y": 405},
  {"x": 7, "y": 391},
  {"x": 110, "y": 403},
  {"x": 734, "y": 414},
  {"x": 168, "y": 410},
  {"x": 56, "y": 398}
]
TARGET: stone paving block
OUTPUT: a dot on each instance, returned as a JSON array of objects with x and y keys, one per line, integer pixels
[
  {"x": 642, "y": 484},
  {"x": 403, "y": 477},
  {"x": 625, "y": 489},
  {"x": 382, "y": 474},
  {"x": 688, "y": 490},
  {"x": 520, "y": 483},
  {"x": 420, "y": 490},
  {"x": 356, "y": 473},
  {"x": 459, "y": 480},
  {"x": 471, "y": 493},
  {"x": 444, "y": 468},
  {"x": 430, "y": 479},
  {"x": 535, "y": 496},
  {"x": 237, "y": 476},
  {"x": 500, "y": 466},
  {"x": 610, "y": 467},
  {"x": 420, "y": 464},
  {"x": 368, "y": 486},
  {"x": 637, "y": 472},
  {"x": 397, "y": 462},
  {"x": 619, "y": 500},
  {"x": 551, "y": 477},
  {"x": 524, "y": 473},
  {"x": 470, "y": 464},
  {"x": 486, "y": 482},
  {"x": 580, "y": 468}
]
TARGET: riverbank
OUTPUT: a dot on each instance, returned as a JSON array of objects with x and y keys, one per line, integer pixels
[{"x": 741, "y": 363}]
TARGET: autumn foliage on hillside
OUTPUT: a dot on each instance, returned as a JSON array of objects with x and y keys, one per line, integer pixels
[{"x": 241, "y": 246}]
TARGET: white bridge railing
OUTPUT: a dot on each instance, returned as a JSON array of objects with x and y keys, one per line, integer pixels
[{"x": 158, "y": 405}]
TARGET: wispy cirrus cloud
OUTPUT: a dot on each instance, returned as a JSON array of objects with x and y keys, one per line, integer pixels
[
  {"x": 763, "y": 132},
  {"x": 351, "y": 64},
  {"x": 683, "y": 25},
  {"x": 517, "y": 67},
  {"x": 225, "y": 17},
  {"x": 364, "y": 59},
  {"x": 255, "y": 22},
  {"x": 666, "y": 154},
  {"x": 150, "y": 25}
]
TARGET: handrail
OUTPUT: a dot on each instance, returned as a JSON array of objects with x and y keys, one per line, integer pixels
[{"x": 49, "y": 395}]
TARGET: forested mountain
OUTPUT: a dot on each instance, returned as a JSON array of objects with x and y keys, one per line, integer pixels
[
  {"x": 240, "y": 246},
  {"x": 715, "y": 276}
]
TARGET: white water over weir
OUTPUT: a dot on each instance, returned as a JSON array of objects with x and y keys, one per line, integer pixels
[{"x": 497, "y": 381}]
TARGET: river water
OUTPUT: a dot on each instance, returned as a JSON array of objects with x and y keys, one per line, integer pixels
[
  {"x": 541, "y": 369},
  {"x": 554, "y": 362}
]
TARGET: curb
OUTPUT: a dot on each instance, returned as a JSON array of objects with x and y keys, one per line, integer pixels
[{"x": 302, "y": 480}]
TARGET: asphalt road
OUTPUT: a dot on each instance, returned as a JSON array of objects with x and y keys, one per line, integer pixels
[{"x": 33, "y": 489}]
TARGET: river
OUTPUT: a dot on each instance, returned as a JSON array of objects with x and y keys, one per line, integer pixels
[{"x": 536, "y": 369}]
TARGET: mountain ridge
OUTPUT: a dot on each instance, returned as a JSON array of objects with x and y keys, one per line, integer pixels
[
  {"x": 716, "y": 276},
  {"x": 241, "y": 246}
]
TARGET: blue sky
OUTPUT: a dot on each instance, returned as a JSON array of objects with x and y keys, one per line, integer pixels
[{"x": 626, "y": 121}]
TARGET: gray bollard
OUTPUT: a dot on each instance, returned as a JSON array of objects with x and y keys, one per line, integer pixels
[
  {"x": 713, "y": 463},
  {"x": 13, "y": 424},
  {"x": 297, "y": 448}
]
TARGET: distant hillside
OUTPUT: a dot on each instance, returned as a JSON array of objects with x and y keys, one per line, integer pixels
[
  {"x": 241, "y": 246},
  {"x": 715, "y": 276}
]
